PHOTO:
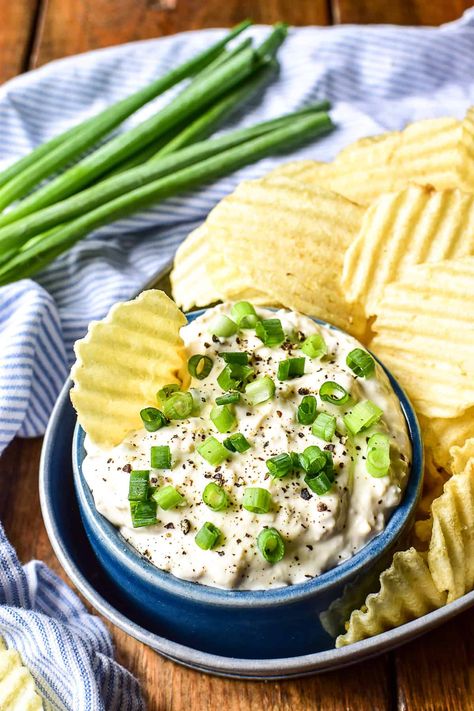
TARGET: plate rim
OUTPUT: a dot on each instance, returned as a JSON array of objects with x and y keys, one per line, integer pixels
[{"x": 282, "y": 668}]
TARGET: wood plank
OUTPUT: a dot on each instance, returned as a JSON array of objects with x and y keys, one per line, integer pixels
[
  {"x": 100, "y": 23},
  {"x": 17, "y": 26},
  {"x": 166, "y": 684},
  {"x": 398, "y": 12}
]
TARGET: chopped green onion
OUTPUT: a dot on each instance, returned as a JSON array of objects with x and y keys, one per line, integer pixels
[
  {"x": 223, "y": 327},
  {"x": 166, "y": 392},
  {"x": 324, "y": 426},
  {"x": 234, "y": 376},
  {"x": 291, "y": 368},
  {"x": 334, "y": 393},
  {"x": 271, "y": 545},
  {"x": 138, "y": 486},
  {"x": 152, "y": 419},
  {"x": 240, "y": 357},
  {"x": 313, "y": 460},
  {"x": 306, "y": 410},
  {"x": 363, "y": 415},
  {"x": 361, "y": 363},
  {"x": 280, "y": 465},
  {"x": 208, "y": 536},
  {"x": 215, "y": 497},
  {"x": 378, "y": 455},
  {"x": 261, "y": 390},
  {"x": 143, "y": 513},
  {"x": 178, "y": 406},
  {"x": 320, "y": 484},
  {"x": 160, "y": 456},
  {"x": 296, "y": 461},
  {"x": 314, "y": 346},
  {"x": 257, "y": 500},
  {"x": 236, "y": 443},
  {"x": 228, "y": 398},
  {"x": 270, "y": 332},
  {"x": 198, "y": 402},
  {"x": 167, "y": 497},
  {"x": 213, "y": 451},
  {"x": 223, "y": 417},
  {"x": 199, "y": 366},
  {"x": 244, "y": 314}
]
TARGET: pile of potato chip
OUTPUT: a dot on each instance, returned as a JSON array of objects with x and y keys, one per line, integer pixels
[{"x": 380, "y": 242}]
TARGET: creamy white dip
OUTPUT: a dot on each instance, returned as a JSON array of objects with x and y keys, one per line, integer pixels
[{"x": 319, "y": 531}]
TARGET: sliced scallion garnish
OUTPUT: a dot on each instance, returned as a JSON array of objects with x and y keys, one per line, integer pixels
[
  {"x": 334, "y": 393},
  {"x": 291, "y": 368},
  {"x": 307, "y": 411},
  {"x": 362, "y": 416},
  {"x": 167, "y": 497},
  {"x": 223, "y": 327},
  {"x": 208, "y": 536},
  {"x": 271, "y": 545},
  {"x": 178, "y": 406},
  {"x": 234, "y": 376},
  {"x": 280, "y": 465},
  {"x": 228, "y": 398},
  {"x": 143, "y": 513},
  {"x": 160, "y": 456},
  {"x": 215, "y": 497},
  {"x": 260, "y": 390},
  {"x": 153, "y": 419},
  {"x": 361, "y": 363},
  {"x": 244, "y": 314},
  {"x": 270, "y": 332},
  {"x": 257, "y": 500},
  {"x": 199, "y": 366},
  {"x": 314, "y": 346},
  {"x": 320, "y": 483},
  {"x": 138, "y": 485},
  {"x": 378, "y": 455},
  {"x": 166, "y": 392},
  {"x": 236, "y": 443},
  {"x": 213, "y": 451},
  {"x": 313, "y": 460},
  {"x": 324, "y": 426},
  {"x": 223, "y": 417},
  {"x": 238, "y": 357}
]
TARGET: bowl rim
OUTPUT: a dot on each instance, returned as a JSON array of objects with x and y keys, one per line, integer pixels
[{"x": 369, "y": 554}]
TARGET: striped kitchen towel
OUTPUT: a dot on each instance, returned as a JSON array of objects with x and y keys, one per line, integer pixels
[{"x": 378, "y": 78}]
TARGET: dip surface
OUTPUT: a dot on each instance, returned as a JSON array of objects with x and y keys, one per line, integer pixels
[{"x": 320, "y": 531}]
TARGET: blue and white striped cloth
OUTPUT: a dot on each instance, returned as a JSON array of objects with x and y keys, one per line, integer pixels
[{"x": 378, "y": 79}]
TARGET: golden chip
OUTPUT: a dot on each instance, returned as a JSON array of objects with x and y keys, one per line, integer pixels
[
  {"x": 406, "y": 592},
  {"x": 460, "y": 456},
  {"x": 433, "y": 482},
  {"x": 122, "y": 362},
  {"x": 441, "y": 434},
  {"x": 17, "y": 686},
  {"x": 425, "y": 335},
  {"x": 435, "y": 152},
  {"x": 451, "y": 550},
  {"x": 289, "y": 241},
  {"x": 202, "y": 276},
  {"x": 190, "y": 280},
  {"x": 401, "y": 229}
]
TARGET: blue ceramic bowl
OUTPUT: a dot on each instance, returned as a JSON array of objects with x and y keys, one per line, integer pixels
[{"x": 283, "y": 622}]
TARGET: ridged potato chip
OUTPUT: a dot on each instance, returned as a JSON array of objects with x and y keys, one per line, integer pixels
[
  {"x": 425, "y": 335},
  {"x": 440, "y": 435},
  {"x": 191, "y": 283},
  {"x": 460, "y": 456},
  {"x": 451, "y": 549},
  {"x": 289, "y": 240},
  {"x": 407, "y": 591},
  {"x": 122, "y": 362},
  {"x": 436, "y": 152},
  {"x": 401, "y": 229},
  {"x": 17, "y": 686},
  {"x": 202, "y": 276}
]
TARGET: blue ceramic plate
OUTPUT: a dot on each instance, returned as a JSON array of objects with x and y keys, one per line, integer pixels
[{"x": 68, "y": 538}]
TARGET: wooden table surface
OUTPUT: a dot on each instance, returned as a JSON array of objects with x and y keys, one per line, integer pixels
[{"x": 434, "y": 673}]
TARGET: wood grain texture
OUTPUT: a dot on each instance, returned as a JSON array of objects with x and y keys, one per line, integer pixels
[
  {"x": 398, "y": 12},
  {"x": 17, "y": 24},
  {"x": 100, "y": 23},
  {"x": 434, "y": 673}
]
